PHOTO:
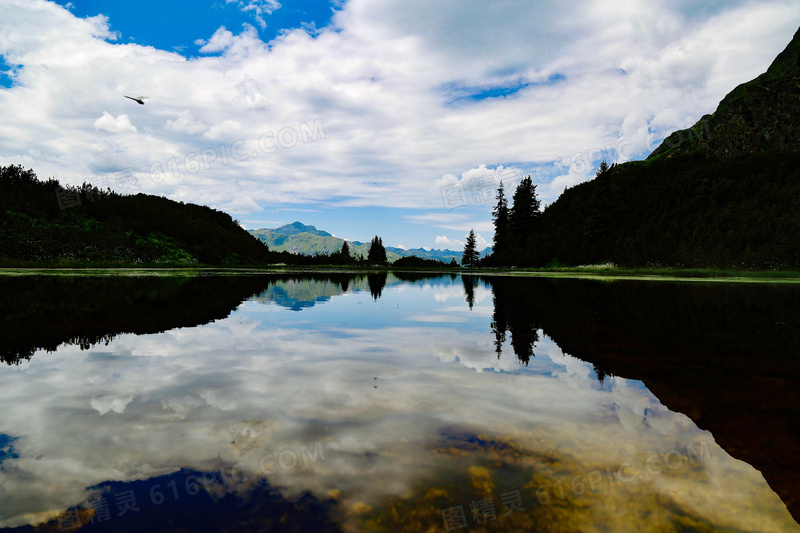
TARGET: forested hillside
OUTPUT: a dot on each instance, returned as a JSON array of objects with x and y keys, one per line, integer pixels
[
  {"x": 686, "y": 212},
  {"x": 722, "y": 194},
  {"x": 45, "y": 223}
]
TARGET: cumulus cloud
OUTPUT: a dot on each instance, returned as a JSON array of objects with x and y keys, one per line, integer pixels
[
  {"x": 118, "y": 124},
  {"x": 227, "y": 128},
  {"x": 239, "y": 204},
  {"x": 452, "y": 221},
  {"x": 185, "y": 123},
  {"x": 447, "y": 242},
  {"x": 413, "y": 95},
  {"x": 259, "y": 8},
  {"x": 455, "y": 244},
  {"x": 480, "y": 242}
]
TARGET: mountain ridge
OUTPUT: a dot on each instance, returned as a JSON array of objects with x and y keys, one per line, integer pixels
[
  {"x": 287, "y": 238},
  {"x": 298, "y": 227},
  {"x": 760, "y": 115},
  {"x": 722, "y": 194}
]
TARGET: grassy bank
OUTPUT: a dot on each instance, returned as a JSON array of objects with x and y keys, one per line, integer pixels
[{"x": 592, "y": 272}]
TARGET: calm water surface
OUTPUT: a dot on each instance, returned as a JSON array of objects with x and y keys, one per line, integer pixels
[{"x": 386, "y": 403}]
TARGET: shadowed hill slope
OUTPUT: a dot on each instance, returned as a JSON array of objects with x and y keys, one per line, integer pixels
[
  {"x": 723, "y": 194},
  {"x": 43, "y": 222}
]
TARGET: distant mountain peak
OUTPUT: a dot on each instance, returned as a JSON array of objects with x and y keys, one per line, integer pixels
[
  {"x": 298, "y": 238},
  {"x": 758, "y": 116},
  {"x": 298, "y": 227}
]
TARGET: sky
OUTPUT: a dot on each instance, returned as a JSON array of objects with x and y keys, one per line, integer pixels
[{"x": 395, "y": 118}]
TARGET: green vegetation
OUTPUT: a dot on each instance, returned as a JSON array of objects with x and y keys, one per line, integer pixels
[
  {"x": 470, "y": 257},
  {"x": 422, "y": 262},
  {"x": 760, "y": 115},
  {"x": 724, "y": 194},
  {"x": 516, "y": 228},
  {"x": 299, "y": 239},
  {"x": 377, "y": 253},
  {"x": 502, "y": 245},
  {"x": 310, "y": 242},
  {"x": 682, "y": 212},
  {"x": 43, "y": 223}
]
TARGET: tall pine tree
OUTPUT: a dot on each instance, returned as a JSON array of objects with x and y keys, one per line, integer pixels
[
  {"x": 501, "y": 241},
  {"x": 470, "y": 256},
  {"x": 377, "y": 253},
  {"x": 523, "y": 221},
  {"x": 344, "y": 254},
  {"x": 524, "y": 214}
]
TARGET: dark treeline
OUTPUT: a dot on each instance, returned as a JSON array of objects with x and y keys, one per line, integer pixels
[
  {"x": 413, "y": 261},
  {"x": 690, "y": 211},
  {"x": 724, "y": 193},
  {"x": 43, "y": 222},
  {"x": 516, "y": 226},
  {"x": 375, "y": 256}
]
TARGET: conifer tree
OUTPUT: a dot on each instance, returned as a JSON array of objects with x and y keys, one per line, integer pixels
[
  {"x": 377, "y": 253},
  {"x": 524, "y": 214},
  {"x": 500, "y": 214},
  {"x": 599, "y": 219},
  {"x": 345, "y": 253},
  {"x": 523, "y": 222},
  {"x": 470, "y": 256}
]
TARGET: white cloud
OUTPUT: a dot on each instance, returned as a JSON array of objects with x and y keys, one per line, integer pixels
[
  {"x": 239, "y": 204},
  {"x": 259, "y": 8},
  {"x": 455, "y": 244},
  {"x": 390, "y": 80},
  {"x": 480, "y": 242},
  {"x": 110, "y": 402},
  {"x": 185, "y": 123},
  {"x": 448, "y": 243},
  {"x": 118, "y": 124},
  {"x": 221, "y": 40},
  {"x": 226, "y": 128},
  {"x": 452, "y": 221},
  {"x": 250, "y": 94}
]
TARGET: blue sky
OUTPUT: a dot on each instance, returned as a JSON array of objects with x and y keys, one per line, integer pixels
[
  {"x": 363, "y": 117},
  {"x": 176, "y": 25}
]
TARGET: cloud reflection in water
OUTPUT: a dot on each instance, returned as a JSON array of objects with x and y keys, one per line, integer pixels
[{"x": 413, "y": 408}]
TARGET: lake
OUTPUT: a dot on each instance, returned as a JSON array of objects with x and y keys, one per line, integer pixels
[{"x": 397, "y": 402}]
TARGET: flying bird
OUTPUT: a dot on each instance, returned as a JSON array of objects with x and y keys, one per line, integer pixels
[{"x": 139, "y": 99}]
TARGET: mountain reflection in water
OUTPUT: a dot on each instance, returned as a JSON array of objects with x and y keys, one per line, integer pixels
[{"x": 390, "y": 402}]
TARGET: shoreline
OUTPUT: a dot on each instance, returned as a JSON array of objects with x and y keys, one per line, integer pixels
[{"x": 603, "y": 273}]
